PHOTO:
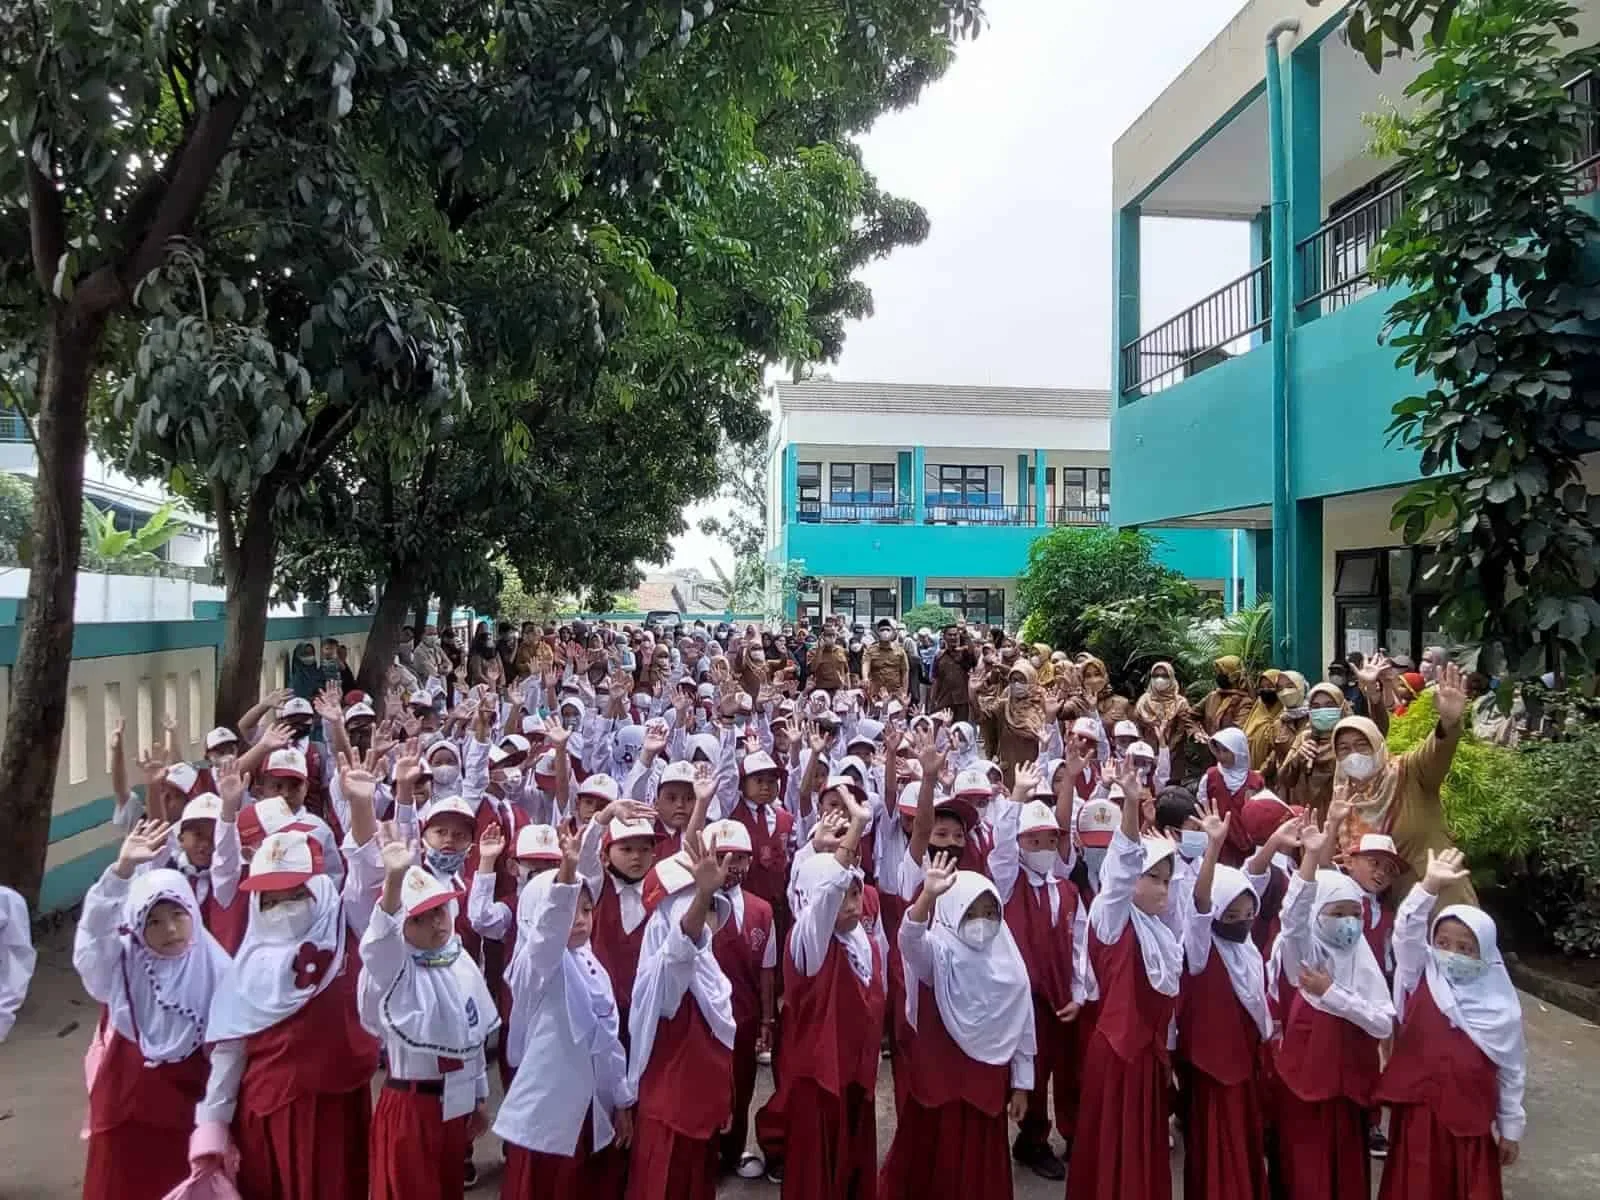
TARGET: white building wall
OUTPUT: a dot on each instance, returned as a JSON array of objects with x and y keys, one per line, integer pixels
[
  {"x": 131, "y": 597},
  {"x": 896, "y": 431}
]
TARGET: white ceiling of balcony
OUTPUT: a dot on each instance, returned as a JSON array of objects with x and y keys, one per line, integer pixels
[{"x": 1228, "y": 177}]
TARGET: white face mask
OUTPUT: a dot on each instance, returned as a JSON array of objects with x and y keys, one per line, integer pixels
[
  {"x": 1161, "y": 683},
  {"x": 1459, "y": 969},
  {"x": 1192, "y": 843},
  {"x": 446, "y": 774},
  {"x": 1359, "y": 766},
  {"x": 513, "y": 780},
  {"x": 286, "y": 922},
  {"x": 978, "y": 932},
  {"x": 1040, "y": 862}
]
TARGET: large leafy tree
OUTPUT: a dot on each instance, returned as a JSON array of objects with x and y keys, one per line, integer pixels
[
  {"x": 1378, "y": 28},
  {"x": 1494, "y": 260}
]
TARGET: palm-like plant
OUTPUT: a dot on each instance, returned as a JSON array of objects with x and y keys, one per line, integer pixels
[
  {"x": 1245, "y": 633},
  {"x": 125, "y": 551}
]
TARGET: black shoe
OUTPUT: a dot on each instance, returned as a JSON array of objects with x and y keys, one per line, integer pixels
[
  {"x": 1039, "y": 1159},
  {"x": 1377, "y": 1144},
  {"x": 774, "y": 1171},
  {"x": 469, "y": 1174}
]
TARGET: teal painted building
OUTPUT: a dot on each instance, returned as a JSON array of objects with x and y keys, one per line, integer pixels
[
  {"x": 1264, "y": 404},
  {"x": 893, "y": 495}
]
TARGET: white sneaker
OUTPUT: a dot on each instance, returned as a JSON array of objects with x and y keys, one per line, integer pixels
[
  {"x": 752, "y": 1166},
  {"x": 765, "y": 1059}
]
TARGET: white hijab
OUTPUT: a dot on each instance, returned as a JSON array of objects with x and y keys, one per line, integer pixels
[
  {"x": 965, "y": 754},
  {"x": 591, "y": 1004},
  {"x": 1487, "y": 1009},
  {"x": 445, "y": 1010},
  {"x": 1239, "y": 746},
  {"x": 707, "y": 984},
  {"x": 984, "y": 996},
  {"x": 165, "y": 999},
  {"x": 1355, "y": 969},
  {"x": 258, "y": 990},
  {"x": 1246, "y": 971},
  {"x": 808, "y": 875},
  {"x": 1159, "y": 947}
]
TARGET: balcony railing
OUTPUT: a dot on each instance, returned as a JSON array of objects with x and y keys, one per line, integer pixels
[
  {"x": 1080, "y": 515},
  {"x": 1203, "y": 335},
  {"x": 980, "y": 514},
  {"x": 813, "y": 512}
]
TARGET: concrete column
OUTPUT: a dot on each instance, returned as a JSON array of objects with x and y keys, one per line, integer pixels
[
  {"x": 790, "y": 493},
  {"x": 1304, "y": 135},
  {"x": 1125, "y": 261},
  {"x": 919, "y": 491},
  {"x": 1040, "y": 516},
  {"x": 1309, "y": 640}
]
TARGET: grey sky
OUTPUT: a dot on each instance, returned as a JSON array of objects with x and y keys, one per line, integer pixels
[{"x": 1010, "y": 153}]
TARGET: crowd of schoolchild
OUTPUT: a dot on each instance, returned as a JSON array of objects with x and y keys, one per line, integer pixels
[{"x": 624, "y": 873}]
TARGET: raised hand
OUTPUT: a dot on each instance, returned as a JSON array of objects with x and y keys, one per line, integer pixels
[
  {"x": 278, "y": 697},
  {"x": 231, "y": 788},
  {"x": 709, "y": 874},
  {"x": 396, "y": 852},
  {"x": 938, "y": 873},
  {"x": 327, "y": 707},
  {"x": 1313, "y": 838},
  {"x": 705, "y": 783},
  {"x": 357, "y": 781},
  {"x": 1216, "y": 828},
  {"x": 931, "y": 757},
  {"x": 152, "y": 767},
  {"x": 116, "y": 735},
  {"x": 145, "y": 843},
  {"x": 570, "y": 844},
  {"x": 557, "y": 735},
  {"x": 1029, "y": 777},
  {"x": 825, "y": 838},
  {"x": 1450, "y": 695},
  {"x": 278, "y": 735},
  {"x": 1287, "y": 836},
  {"x": 1445, "y": 869},
  {"x": 655, "y": 739},
  {"x": 1368, "y": 673}
]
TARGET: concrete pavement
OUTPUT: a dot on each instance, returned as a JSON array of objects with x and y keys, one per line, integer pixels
[{"x": 42, "y": 1102}]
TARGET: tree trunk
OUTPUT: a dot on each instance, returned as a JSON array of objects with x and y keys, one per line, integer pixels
[
  {"x": 249, "y": 576},
  {"x": 447, "y": 605},
  {"x": 384, "y": 634},
  {"x": 39, "y": 678},
  {"x": 419, "y": 618}
]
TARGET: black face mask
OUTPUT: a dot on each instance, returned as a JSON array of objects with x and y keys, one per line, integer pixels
[
  {"x": 1267, "y": 694},
  {"x": 1232, "y": 931},
  {"x": 1224, "y": 682}
]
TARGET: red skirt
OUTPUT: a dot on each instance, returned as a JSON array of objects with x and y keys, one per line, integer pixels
[
  {"x": 953, "y": 1152},
  {"x": 666, "y": 1165},
  {"x": 1322, "y": 1148},
  {"x": 1120, "y": 1151},
  {"x": 1428, "y": 1162},
  {"x": 135, "y": 1161},
  {"x": 1224, "y": 1154},
  {"x": 530, "y": 1175},
  {"x": 416, "y": 1154},
  {"x": 313, "y": 1148},
  {"x": 834, "y": 1144}
]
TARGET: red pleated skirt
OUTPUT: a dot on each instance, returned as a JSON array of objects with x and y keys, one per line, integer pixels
[
  {"x": 1119, "y": 1147},
  {"x": 530, "y": 1175},
  {"x": 135, "y": 1161},
  {"x": 1224, "y": 1152},
  {"x": 313, "y": 1148},
  {"x": 953, "y": 1152},
  {"x": 416, "y": 1154},
  {"x": 666, "y": 1165},
  {"x": 1322, "y": 1148},
  {"x": 1428, "y": 1162},
  {"x": 832, "y": 1144}
]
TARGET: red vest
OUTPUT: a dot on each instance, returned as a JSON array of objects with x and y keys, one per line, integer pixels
[
  {"x": 1086, "y": 781},
  {"x": 225, "y": 924},
  {"x": 1439, "y": 1067},
  {"x": 1216, "y": 1034},
  {"x": 1323, "y": 1056},
  {"x": 1265, "y": 930},
  {"x": 321, "y": 1050},
  {"x": 688, "y": 1082},
  {"x": 739, "y": 950},
  {"x": 1238, "y": 847},
  {"x": 768, "y": 876},
  {"x": 942, "y": 1073},
  {"x": 1046, "y": 948},
  {"x": 833, "y": 1023},
  {"x": 1133, "y": 1016},
  {"x": 668, "y": 841},
  {"x": 126, "y": 1090},
  {"x": 1377, "y": 922},
  {"x": 617, "y": 950}
]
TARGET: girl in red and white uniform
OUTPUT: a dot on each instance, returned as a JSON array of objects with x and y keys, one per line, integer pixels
[
  {"x": 681, "y": 1057},
  {"x": 556, "y": 1120},
  {"x": 969, "y": 1061},
  {"x": 1223, "y": 1021},
  {"x": 291, "y": 1066},
  {"x": 1455, "y": 1079},
  {"x": 145, "y": 956}
]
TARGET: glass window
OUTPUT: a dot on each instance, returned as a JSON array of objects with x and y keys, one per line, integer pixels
[
  {"x": 1072, "y": 478},
  {"x": 1105, "y": 487},
  {"x": 844, "y": 603},
  {"x": 882, "y": 601},
  {"x": 808, "y": 490},
  {"x": 956, "y": 485},
  {"x": 841, "y": 483},
  {"x": 1358, "y": 628},
  {"x": 1357, "y": 574},
  {"x": 880, "y": 481}
]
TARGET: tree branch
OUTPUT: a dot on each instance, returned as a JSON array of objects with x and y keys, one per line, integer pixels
[
  {"x": 326, "y": 434},
  {"x": 47, "y": 226},
  {"x": 227, "y": 538}
]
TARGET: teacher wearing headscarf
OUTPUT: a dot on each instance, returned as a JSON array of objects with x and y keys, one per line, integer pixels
[{"x": 1399, "y": 795}]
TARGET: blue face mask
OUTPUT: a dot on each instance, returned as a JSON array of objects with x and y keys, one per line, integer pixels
[
  {"x": 445, "y": 862},
  {"x": 1192, "y": 843},
  {"x": 1339, "y": 932},
  {"x": 1459, "y": 969}
]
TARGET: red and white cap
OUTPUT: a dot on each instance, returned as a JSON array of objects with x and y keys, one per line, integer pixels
[
  {"x": 851, "y": 784},
  {"x": 759, "y": 763},
  {"x": 621, "y": 831},
  {"x": 510, "y": 746},
  {"x": 972, "y": 784},
  {"x": 182, "y": 776},
  {"x": 678, "y": 772},
  {"x": 360, "y": 710},
  {"x": 1142, "y": 750},
  {"x": 1380, "y": 844},
  {"x": 727, "y": 837},
  {"x": 601, "y": 786},
  {"x": 533, "y": 725},
  {"x": 538, "y": 843},
  {"x": 1123, "y": 728},
  {"x": 207, "y": 806},
  {"x": 296, "y": 706},
  {"x": 420, "y": 698},
  {"x": 546, "y": 764},
  {"x": 1037, "y": 817},
  {"x": 960, "y": 807},
  {"x": 1087, "y": 727},
  {"x": 906, "y": 802},
  {"x": 867, "y": 732},
  {"x": 287, "y": 763},
  {"x": 1098, "y": 820},
  {"x": 449, "y": 806},
  {"x": 284, "y": 860},
  {"x": 422, "y": 892},
  {"x": 221, "y": 736}
]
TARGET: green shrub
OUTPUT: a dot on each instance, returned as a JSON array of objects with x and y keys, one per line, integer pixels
[
  {"x": 1562, "y": 890},
  {"x": 931, "y": 616}
]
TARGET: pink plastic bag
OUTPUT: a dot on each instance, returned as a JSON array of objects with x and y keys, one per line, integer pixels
[
  {"x": 205, "y": 1182},
  {"x": 93, "y": 1057},
  {"x": 213, "y": 1162}
]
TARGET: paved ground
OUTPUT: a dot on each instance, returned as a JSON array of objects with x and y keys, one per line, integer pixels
[{"x": 41, "y": 1102}]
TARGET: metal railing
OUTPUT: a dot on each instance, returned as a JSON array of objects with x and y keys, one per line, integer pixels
[
  {"x": 1078, "y": 514},
  {"x": 980, "y": 514},
  {"x": 814, "y": 512},
  {"x": 1203, "y": 335}
]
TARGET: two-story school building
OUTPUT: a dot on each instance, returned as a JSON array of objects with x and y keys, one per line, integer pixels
[{"x": 895, "y": 495}]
